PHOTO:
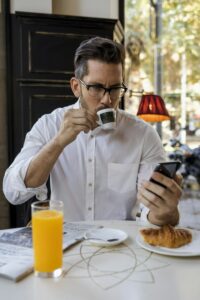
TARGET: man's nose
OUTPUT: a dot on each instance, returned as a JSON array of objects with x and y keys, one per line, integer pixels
[{"x": 105, "y": 100}]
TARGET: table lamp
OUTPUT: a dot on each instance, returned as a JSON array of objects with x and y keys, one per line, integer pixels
[{"x": 152, "y": 108}]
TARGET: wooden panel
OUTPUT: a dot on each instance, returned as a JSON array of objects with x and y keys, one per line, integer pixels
[
  {"x": 47, "y": 44},
  {"x": 34, "y": 101},
  {"x": 60, "y": 48}
]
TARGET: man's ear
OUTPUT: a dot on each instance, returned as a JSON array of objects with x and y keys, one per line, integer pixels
[{"x": 75, "y": 86}]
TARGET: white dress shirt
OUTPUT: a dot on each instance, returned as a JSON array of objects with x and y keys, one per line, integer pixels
[{"x": 96, "y": 176}]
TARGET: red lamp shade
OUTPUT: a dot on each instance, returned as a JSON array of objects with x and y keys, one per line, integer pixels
[{"x": 152, "y": 109}]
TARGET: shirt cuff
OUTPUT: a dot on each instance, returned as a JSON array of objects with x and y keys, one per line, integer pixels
[
  {"x": 142, "y": 218},
  {"x": 20, "y": 193}
]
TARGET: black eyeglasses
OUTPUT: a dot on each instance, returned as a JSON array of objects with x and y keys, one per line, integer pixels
[{"x": 98, "y": 91}]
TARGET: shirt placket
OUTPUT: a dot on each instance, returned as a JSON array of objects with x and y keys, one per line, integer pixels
[{"x": 90, "y": 183}]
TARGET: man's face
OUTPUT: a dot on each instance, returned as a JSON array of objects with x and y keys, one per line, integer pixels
[{"x": 100, "y": 74}]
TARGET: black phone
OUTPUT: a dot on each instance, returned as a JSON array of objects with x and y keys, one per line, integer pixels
[{"x": 168, "y": 169}]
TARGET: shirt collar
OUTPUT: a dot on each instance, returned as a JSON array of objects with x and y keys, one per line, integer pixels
[{"x": 77, "y": 104}]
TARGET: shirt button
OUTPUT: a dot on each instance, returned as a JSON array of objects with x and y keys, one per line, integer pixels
[
  {"x": 92, "y": 136},
  {"x": 90, "y": 184},
  {"x": 89, "y": 208},
  {"x": 90, "y": 160}
]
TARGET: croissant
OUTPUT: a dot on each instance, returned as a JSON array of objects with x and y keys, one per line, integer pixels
[{"x": 166, "y": 236}]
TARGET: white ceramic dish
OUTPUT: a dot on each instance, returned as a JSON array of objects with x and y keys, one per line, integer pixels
[
  {"x": 191, "y": 249},
  {"x": 105, "y": 237}
]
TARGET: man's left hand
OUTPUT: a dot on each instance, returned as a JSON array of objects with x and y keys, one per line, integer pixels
[{"x": 161, "y": 201}]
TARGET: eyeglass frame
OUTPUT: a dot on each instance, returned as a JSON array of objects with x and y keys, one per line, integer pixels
[{"x": 105, "y": 89}]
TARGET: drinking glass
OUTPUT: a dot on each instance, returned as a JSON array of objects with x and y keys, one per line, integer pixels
[{"x": 47, "y": 232}]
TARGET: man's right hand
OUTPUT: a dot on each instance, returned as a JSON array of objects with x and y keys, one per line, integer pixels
[{"x": 75, "y": 121}]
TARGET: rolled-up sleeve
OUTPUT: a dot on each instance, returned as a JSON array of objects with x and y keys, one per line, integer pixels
[
  {"x": 19, "y": 193},
  {"x": 13, "y": 183}
]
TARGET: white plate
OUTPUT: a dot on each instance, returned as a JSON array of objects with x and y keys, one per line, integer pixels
[
  {"x": 92, "y": 236},
  {"x": 191, "y": 249}
]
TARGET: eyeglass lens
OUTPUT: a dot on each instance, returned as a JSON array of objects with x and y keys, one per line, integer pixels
[{"x": 99, "y": 92}]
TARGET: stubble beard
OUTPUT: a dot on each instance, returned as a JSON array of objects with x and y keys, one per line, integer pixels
[{"x": 82, "y": 102}]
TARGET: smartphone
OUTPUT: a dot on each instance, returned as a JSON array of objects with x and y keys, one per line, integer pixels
[{"x": 168, "y": 169}]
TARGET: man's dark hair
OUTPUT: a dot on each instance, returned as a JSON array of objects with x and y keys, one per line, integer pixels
[{"x": 97, "y": 48}]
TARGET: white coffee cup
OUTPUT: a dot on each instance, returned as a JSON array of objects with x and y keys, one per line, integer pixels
[{"x": 107, "y": 118}]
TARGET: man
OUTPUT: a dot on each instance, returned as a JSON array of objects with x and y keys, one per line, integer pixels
[{"x": 95, "y": 171}]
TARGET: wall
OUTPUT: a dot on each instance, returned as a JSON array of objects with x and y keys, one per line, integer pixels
[
  {"x": 4, "y": 207},
  {"x": 37, "y": 6},
  {"x": 87, "y": 8}
]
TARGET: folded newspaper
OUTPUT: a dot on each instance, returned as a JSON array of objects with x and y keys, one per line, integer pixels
[{"x": 16, "y": 253}]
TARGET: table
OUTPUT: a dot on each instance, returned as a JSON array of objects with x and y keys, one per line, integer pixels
[{"x": 122, "y": 272}]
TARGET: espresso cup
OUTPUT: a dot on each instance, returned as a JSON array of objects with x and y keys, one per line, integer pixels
[{"x": 107, "y": 118}]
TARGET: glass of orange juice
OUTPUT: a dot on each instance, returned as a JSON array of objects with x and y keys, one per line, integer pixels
[{"x": 47, "y": 233}]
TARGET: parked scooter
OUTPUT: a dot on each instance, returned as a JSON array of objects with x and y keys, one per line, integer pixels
[{"x": 190, "y": 159}]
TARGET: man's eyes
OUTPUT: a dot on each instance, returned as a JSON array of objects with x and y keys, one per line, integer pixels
[{"x": 98, "y": 87}]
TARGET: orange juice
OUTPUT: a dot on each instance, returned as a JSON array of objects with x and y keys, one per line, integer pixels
[{"x": 47, "y": 240}]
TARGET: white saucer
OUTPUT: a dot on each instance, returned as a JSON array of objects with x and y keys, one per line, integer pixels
[{"x": 92, "y": 236}]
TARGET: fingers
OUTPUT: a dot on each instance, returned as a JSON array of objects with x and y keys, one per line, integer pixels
[
  {"x": 81, "y": 117},
  {"x": 154, "y": 195},
  {"x": 149, "y": 199},
  {"x": 161, "y": 200},
  {"x": 75, "y": 121},
  {"x": 172, "y": 185}
]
